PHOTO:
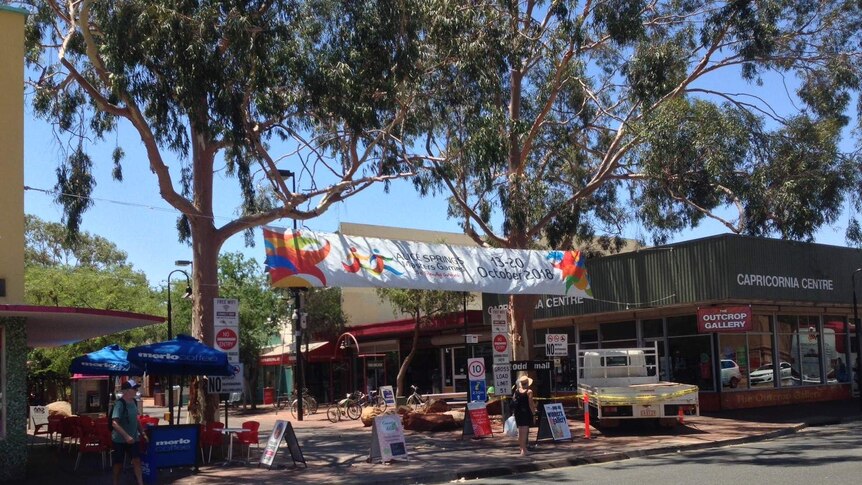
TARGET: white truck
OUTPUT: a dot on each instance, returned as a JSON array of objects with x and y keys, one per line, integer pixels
[{"x": 623, "y": 384}]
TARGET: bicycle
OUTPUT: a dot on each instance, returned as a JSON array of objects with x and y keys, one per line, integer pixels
[
  {"x": 373, "y": 398},
  {"x": 416, "y": 401},
  {"x": 309, "y": 404},
  {"x": 346, "y": 407},
  {"x": 282, "y": 401}
]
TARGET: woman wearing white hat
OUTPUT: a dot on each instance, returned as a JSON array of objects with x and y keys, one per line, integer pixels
[{"x": 523, "y": 408}]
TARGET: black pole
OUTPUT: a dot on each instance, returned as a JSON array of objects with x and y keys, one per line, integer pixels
[
  {"x": 297, "y": 329},
  {"x": 858, "y": 338},
  {"x": 170, "y": 336},
  {"x": 170, "y": 376}
]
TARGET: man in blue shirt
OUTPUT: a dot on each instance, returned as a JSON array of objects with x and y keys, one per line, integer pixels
[{"x": 126, "y": 432}]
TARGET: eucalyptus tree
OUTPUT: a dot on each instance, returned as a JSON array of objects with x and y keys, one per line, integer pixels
[
  {"x": 255, "y": 90},
  {"x": 552, "y": 121},
  {"x": 423, "y": 306}
]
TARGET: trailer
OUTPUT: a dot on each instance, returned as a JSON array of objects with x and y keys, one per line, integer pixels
[{"x": 624, "y": 384}]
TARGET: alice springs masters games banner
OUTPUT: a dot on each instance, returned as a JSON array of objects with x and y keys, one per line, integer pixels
[{"x": 313, "y": 259}]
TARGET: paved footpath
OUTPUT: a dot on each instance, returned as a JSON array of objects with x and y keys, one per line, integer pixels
[{"x": 337, "y": 453}]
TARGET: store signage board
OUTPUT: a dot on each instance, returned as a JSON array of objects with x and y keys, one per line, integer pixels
[
  {"x": 283, "y": 431},
  {"x": 273, "y": 443},
  {"x": 388, "y": 395},
  {"x": 555, "y": 422},
  {"x": 556, "y": 345},
  {"x": 387, "y": 439},
  {"x": 168, "y": 447},
  {"x": 724, "y": 319},
  {"x": 476, "y": 421}
]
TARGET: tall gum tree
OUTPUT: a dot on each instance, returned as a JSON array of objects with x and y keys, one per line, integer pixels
[
  {"x": 322, "y": 88},
  {"x": 551, "y": 122}
]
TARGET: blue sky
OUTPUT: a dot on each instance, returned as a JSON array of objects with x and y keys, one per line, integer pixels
[{"x": 132, "y": 215}]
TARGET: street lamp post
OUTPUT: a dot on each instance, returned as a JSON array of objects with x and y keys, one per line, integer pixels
[
  {"x": 187, "y": 294},
  {"x": 858, "y": 337},
  {"x": 297, "y": 329}
]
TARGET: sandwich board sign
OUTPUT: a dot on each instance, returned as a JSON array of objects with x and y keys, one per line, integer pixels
[
  {"x": 387, "y": 439},
  {"x": 283, "y": 430},
  {"x": 476, "y": 421},
  {"x": 553, "y": 423},
  {"x": 388, "y": 395}
]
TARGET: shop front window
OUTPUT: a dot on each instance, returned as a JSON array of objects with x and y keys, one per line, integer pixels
[
  {"x": 839, "y": 371},
  {"x": 734, "y": 361},
  {"x": 690, "y": 361},
  {"x": 618, "y": 335},
  {"x": 588, "y": 338},
  {"x": 761, "y": 371},
  {"x": 652, "y": 328},
  {"x": 799, "y": 344}
]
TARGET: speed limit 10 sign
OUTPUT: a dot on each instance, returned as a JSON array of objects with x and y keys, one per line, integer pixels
[{"x": 476, "y": 369}]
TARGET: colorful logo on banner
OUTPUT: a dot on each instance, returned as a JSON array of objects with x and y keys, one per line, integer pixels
[
  {"x": 374, "y": 264},
  {"x": 571, "y": 264},
  {"x": 292, "y": 257}
]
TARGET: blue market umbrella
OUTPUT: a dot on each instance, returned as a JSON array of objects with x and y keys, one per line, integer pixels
[
  {"x": 182, "y": 356},
  {"x": 108, "y": 361}
]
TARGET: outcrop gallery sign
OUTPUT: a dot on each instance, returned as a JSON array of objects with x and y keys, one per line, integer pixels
[{"x": 724, "y": 319}]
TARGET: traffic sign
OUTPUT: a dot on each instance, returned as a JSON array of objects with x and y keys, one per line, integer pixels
[
  {"x": 226, "y": 339},
  {"x": 226, "y": 384},
  {"x": 501, "y": 343},
  {"x": 556, "y": 345},
  {"x": 476, "y": 369},
  {"x": 502, "y": 379}
]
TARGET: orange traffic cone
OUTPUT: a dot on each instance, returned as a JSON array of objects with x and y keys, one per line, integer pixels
[{"x": 680, "y": 416}]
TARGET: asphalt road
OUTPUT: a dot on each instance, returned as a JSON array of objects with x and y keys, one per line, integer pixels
[{"x": 823, "y": 456}]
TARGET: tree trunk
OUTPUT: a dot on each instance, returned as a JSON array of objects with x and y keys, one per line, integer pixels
[
  {"x": 402, "y": 372},
  {"x": 523, "y": 307},
  {"x": 205, "y": 246}
]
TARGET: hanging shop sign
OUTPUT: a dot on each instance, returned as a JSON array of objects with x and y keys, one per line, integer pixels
[
  {"x": 724, "y": 319},
  {"x": 306, "y": 258}
]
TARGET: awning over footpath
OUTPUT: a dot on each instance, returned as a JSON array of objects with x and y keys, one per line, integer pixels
[
  {"x": 405, "y": 326},
  {"x": 317, "y": 352},
  {"x": 50, "y": 326}
]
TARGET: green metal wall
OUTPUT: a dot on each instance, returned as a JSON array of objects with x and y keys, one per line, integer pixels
[{"x": 710, "y": 269}]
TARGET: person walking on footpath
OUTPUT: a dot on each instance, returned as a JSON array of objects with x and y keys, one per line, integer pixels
[
  {"x": 126, "y": 432},
  {"x": 524, "y": 408}
]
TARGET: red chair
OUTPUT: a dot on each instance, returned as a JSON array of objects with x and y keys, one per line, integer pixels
[
  {"x": 211, "y": 436},
  {"x": 54, "y": 421},
  {"x": 93, "y": 443},
  {"x": 249, "y": 437},
  {"x": 69, "y": 429}
]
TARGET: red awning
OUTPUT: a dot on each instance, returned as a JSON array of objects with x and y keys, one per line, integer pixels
[{"x": 405, "y": 327}]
